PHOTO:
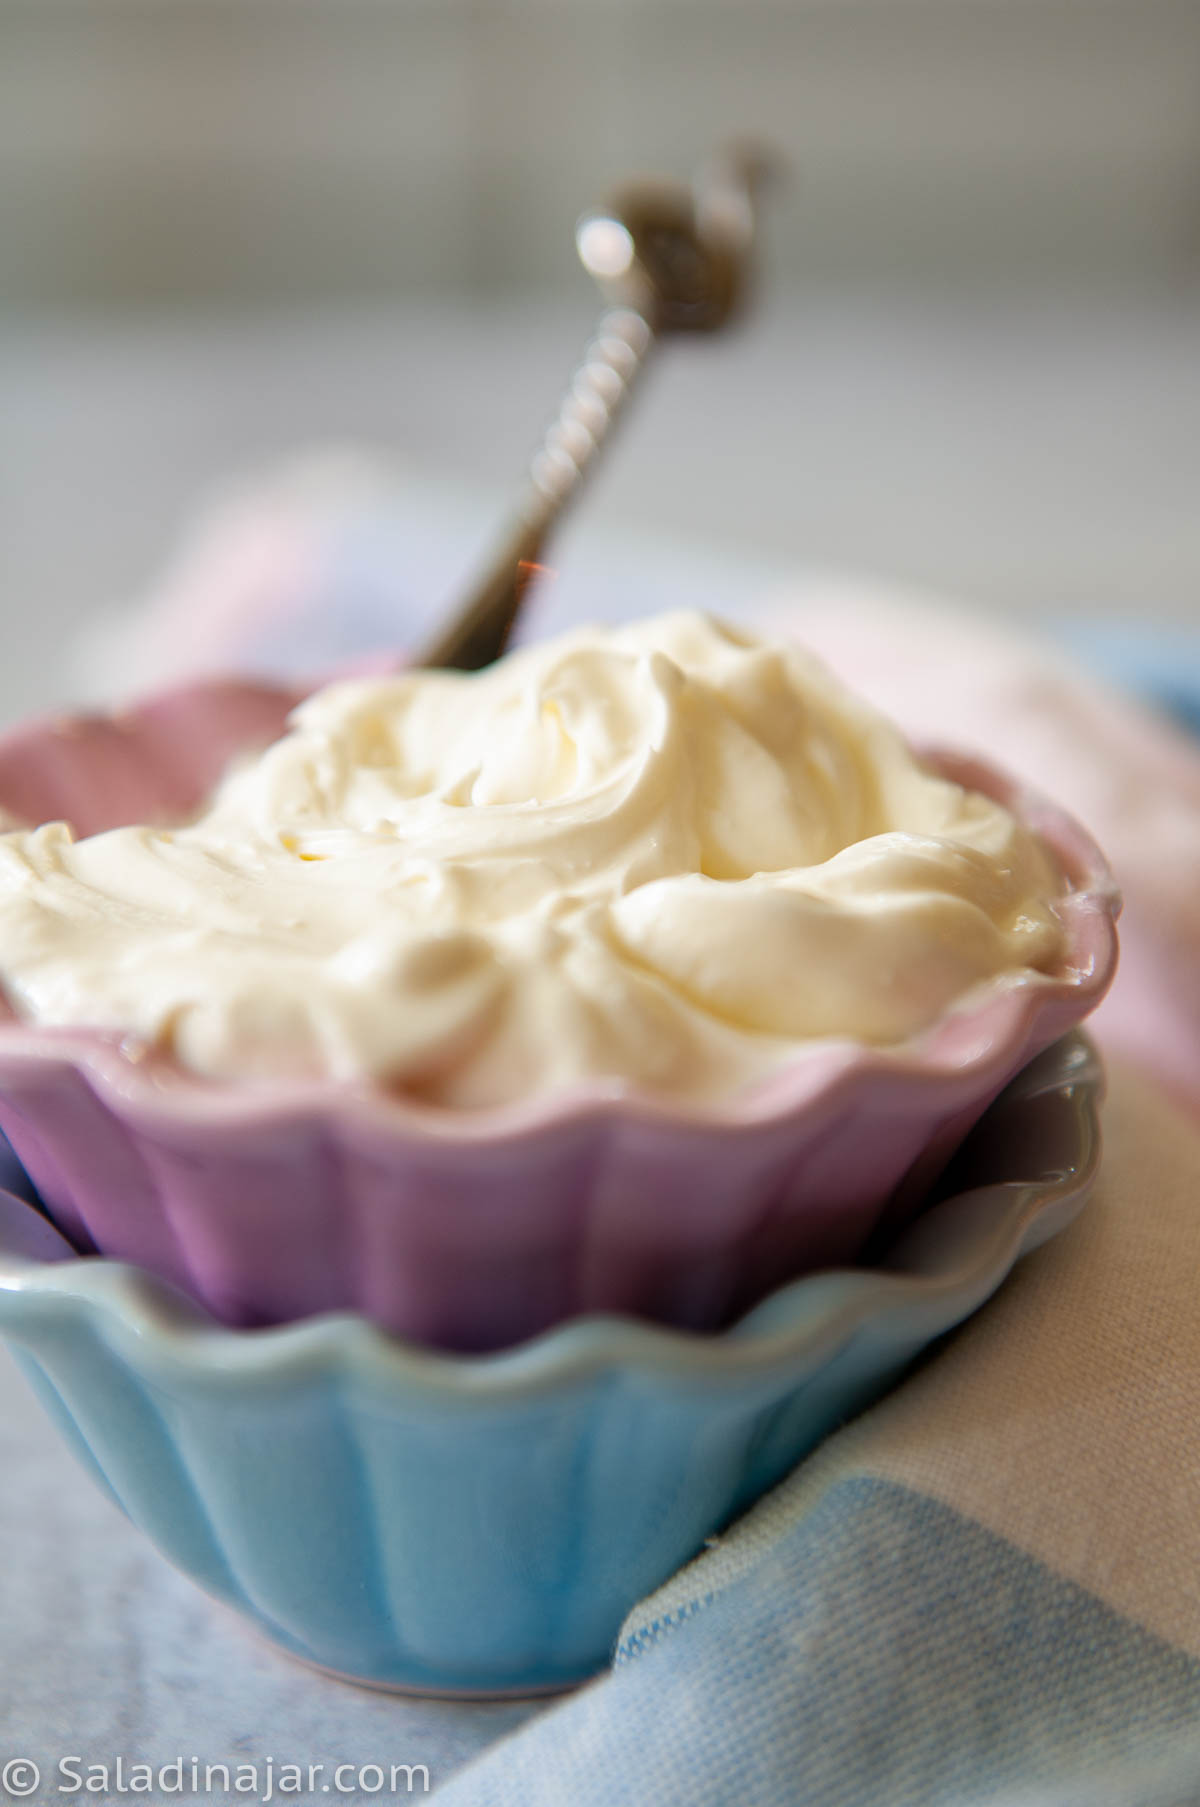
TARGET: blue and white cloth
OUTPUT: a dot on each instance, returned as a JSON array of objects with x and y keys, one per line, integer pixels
[{"x": 985, "y": 1590}]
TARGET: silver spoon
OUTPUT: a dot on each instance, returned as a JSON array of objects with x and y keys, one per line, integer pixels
[{"x": 669, "y": 257}]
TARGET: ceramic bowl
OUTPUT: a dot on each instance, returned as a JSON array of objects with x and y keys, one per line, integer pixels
[
  {"x": 484, "y": 1523},
  {"x": 473, "y": 1230}
]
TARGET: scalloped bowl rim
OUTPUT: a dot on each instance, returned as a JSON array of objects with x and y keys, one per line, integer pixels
[
  {"x": 997, "y": 1016},
  {"x": 793, "y": 1322}
]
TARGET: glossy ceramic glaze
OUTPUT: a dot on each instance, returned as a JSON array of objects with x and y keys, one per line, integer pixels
[
  {"x": 473, "y": 1230},
  {"x": 484, "y": 1523}
]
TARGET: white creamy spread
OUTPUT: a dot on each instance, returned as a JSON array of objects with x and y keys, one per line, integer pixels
[{"x": 667, "y": 854}]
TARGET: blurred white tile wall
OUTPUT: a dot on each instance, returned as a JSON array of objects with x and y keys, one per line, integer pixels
[
  {"x": 244, "y": 150},
  {"x": 229, "y": 228}
]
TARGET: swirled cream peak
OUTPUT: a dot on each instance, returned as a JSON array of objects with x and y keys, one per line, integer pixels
[{"x": 665, "y": 854}]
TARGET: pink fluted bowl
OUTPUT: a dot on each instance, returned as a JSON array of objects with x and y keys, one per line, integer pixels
[{"x": 475, "y": 1230}]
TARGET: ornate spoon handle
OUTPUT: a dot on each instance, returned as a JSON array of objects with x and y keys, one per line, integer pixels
[
  {"x": 672, "y": 258},
  {"x": 607, "y": 372}
]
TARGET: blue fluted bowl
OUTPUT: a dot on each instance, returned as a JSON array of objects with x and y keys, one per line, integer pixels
[{"x": 483, "y": 1524}]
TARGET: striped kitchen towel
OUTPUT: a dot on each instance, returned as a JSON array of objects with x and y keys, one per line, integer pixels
[{"x": 985, "y": 1590}]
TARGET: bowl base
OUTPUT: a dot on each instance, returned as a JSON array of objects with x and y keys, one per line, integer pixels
[{"x": 426, "y": 1690}]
